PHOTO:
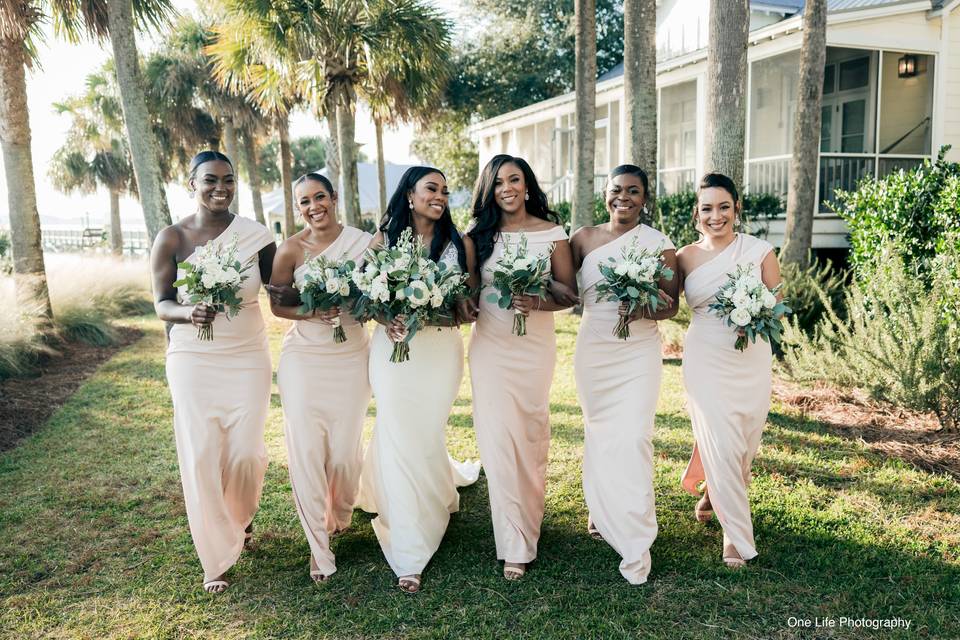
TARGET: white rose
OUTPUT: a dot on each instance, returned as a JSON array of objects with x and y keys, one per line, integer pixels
[
  {"x": 769, "y": 300},
  {"x": 740, "y": 298},
  {"x": 755, "y": 306},
  {"x": 621, "y": 269},
  {"x": 740, "y": 316},
  {"x": 401, "y": 294},
  {"x": 634, "y": 271},
  {"x": 208, "y": 280},
  {"x": 345, "y": 289},
  {"x": 333, "y": 285},
  {"x": 402, "y": 262},
  {"x": 521, "y": 264},
  {"x": 436, "y": 300},
  {"x": 419, "y": 287}
]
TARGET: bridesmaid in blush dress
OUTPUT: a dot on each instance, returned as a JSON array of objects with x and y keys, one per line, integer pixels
[
  {"x": 618, "y": 381},
  {"x": 409, "y": 479},
  {"x": 220, "y": 387},
  {"x": 323, "y": 385},
  {"x": 511, "y": 375},
  {"x": 728, "y": 391}
]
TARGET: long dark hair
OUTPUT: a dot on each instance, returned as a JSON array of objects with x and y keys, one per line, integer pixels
[
  {"x": 486, "y": 213},
  {"x": 398, "y": 217}
]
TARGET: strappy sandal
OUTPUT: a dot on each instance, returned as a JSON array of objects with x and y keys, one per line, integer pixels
[
  {"x": 703, "y": 514},
  {"x": 316, "y": 575},
  {"x": 593, "y": 531},
  {"x": 409, "y": 584},
  {"x": 731, "y": 558},
  {"x": 216, "y": 586},
  {"x": 513, "y": 573}
]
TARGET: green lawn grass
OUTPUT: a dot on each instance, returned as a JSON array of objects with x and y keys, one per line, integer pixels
[{"x": 94, "y": 541}]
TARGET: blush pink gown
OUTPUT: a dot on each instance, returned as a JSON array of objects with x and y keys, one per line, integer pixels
[
  {"x": 325, "y": 391},
  {"x": 618, "y": 382},
  {"x": 511, "y": 377},
  {"x": 221, "y": 394},
  {"x": 728, "y": 394}
]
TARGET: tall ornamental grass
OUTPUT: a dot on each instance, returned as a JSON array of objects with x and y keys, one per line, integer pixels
[{"x": 87, "y": 293}]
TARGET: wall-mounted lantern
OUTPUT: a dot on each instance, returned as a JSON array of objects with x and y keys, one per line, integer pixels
[{"x": 907, "y": 66}]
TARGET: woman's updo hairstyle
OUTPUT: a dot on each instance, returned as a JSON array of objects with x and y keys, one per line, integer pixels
[
  {"x": 317, "y": 177},
  {"x": 719, "y": 181},
  {"x": 206, "y": 156},
  {"x": 632, "y": 170}
]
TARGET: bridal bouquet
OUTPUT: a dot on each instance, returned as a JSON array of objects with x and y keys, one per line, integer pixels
[
  {"x": 403, "y": 281},
  {"x": 517, "y": 273},
  {"x": 327, "y": 285},
  {"x": 633, "y": 279},
  {"x": 750, "y": 307},
  {"x": 215, "y": 279}
]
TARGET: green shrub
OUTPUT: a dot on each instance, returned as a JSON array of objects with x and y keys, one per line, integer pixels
[
  {"x": 896, "y": 341},
  {"x": 802, "y": 287},
  {"x": 565, "y": 211},
  {"x": 916, "y": 210}
]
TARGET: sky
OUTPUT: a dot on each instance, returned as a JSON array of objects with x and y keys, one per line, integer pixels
[{"x": 62, "y": 72}]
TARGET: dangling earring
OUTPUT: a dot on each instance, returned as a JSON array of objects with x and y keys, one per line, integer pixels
[
  {"x": 645, "y": 210},
  {"x": 526, "y": 196},
  {"x": 736, "y": 222},
  {"x": 410, "y": 202}
]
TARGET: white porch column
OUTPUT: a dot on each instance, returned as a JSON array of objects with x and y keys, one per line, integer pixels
[
  {"x": 701, "y": 126},
  {"x": 940, "y": 64}
]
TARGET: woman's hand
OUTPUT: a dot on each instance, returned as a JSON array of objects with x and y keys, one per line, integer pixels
[
  {"x": 397, "y": 329},
  {"x": 202, "y": 314},
  {"x": 643, "y": 311},
  {"x": 523, "y": 304},
  {"x": 327, "y": 317},
  {"x": 467, "y": 310},
  {"x": 283, "y": 295},
  {"x": 563, "y": 295}
]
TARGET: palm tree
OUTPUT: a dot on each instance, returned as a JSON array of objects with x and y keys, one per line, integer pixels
[
  {"x": 249, "y": 61},
  {"x": 121, "y": 28},
  {"x": 802, "y": 192},
  {"x": 334, "y": 47},
  {"x": 404, "y": 88},
  {"x": 248, "y": 144},
  {"x": 726, "y": 90},
  {"x": 18, "y": 23},
  {"x": 640, "y": 86},
  {"x": 584, "y": 143},
  {"x": 95, "y": 153}
]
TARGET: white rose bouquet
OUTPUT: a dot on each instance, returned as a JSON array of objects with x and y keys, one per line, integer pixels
[
  {"x": 214, "y": 279},
  {"x": 750, "y": 307},
  {"x": 403, "y": 281},
  {"x": 327, "y": 285},
  {"x": 518, "y": 274},
  {"x": 633, "y": 279}
]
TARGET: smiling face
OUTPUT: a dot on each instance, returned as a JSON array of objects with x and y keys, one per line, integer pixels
[
  {"x": 716, "y": 212},
  {"x": 316, "y": 204},
  {"x": 430, "y": 196},
  {"x": 625, "y": 198},
  {"x": 510, "y": 188},
  {"x": 214, "y": 185}
]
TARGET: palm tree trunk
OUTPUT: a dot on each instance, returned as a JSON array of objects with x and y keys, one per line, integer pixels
[
  {"x": 727, "y": 87},
  {"x": 584, "y": 143},
  {"x": 143, "y": 144},
  {"x": 286, "y": 175},
  {"x": 346, "y": 121},
  {"x": 802, "y": 192},
  {"x": 116, "y": 234},
  {"x": 253, "y": 174},
  {"x": 381, "y": 164},
  {"x": 230, "y": 148},
  {"x": 640, "y": 87},
  {"x": 29, "y": 273},
  {"x": 333, "y": 148}
]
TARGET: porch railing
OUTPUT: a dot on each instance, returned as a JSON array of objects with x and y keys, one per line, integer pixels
[
  {"x": 561, "y": 190},
  {"x": 838, "y": 171},
  {"x": 676, "y": 179}
]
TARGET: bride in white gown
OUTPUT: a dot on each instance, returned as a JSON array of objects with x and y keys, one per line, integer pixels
[{"x": 408, "y": 478}]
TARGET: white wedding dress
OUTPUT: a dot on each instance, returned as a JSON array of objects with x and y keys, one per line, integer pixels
[{"x": 409, "y": 480}]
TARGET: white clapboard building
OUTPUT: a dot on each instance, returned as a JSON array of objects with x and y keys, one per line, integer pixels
[{"x": 891, "y": 99}]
